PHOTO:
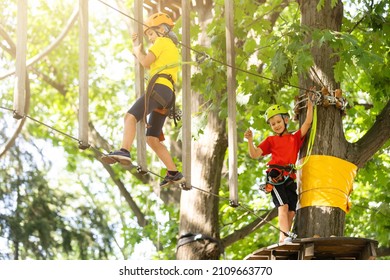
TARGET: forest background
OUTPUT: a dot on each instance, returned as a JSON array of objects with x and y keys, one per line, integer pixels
[{"x": 60, "y": 202}]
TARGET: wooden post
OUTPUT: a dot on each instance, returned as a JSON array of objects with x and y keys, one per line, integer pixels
[
  {"x": 83, "y": 74},
  {"x": 186, "y": 85},
  {"x": 140, "y": 85},
  {"x": 231, "y": 90},
  {"x": 20, "y": 67}
]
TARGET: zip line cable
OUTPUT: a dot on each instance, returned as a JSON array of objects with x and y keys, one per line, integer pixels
[{"x": 52, "y": 128}]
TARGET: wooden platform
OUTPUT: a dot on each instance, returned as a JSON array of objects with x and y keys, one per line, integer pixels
[{"x": 322, "y": 248}]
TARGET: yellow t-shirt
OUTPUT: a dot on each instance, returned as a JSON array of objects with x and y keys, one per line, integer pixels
[{"x": 167, "y": 60}]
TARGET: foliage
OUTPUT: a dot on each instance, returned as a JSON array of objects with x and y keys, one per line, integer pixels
[
  {"x": 40, "y": 221},
  {"x": 78, "y": 213}
]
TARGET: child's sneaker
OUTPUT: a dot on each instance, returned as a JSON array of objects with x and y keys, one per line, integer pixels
[
  {"x": 288, "y": 240},
  {"x": 122, "y": 156},
  {"x": 177, "y": 178}
]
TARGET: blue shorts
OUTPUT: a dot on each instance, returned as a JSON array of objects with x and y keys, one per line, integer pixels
[
  {"x": 285, "y": 193},
  {"x": 155, "y": 120}
]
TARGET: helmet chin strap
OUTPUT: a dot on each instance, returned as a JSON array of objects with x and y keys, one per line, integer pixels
[
  {"x": 285, "y": 127},
  {"x": 167, "y": 33}
]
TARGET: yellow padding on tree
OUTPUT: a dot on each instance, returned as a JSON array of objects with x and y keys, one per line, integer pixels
[{"x": 326, "y": 181}]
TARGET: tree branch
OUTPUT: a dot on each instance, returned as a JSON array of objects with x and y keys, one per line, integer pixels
[
  {"x": 383, "y": 252},
  {"x": 129, "y": 199},
  {"x": 46, "y": 51},
  {"x": 11, "y": 49},
  {"x": 11, "y": 141},
  {"x": 361, "y": 151},
  {"x": 244, "y": 231}
]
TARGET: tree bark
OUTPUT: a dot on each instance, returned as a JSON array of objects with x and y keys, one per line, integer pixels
[
  {"x": 330, "y": 140},
  {"x": 249, "y": 228},
  {"x": 360, "y": 152},
  {"x": 199, "y": 207}
]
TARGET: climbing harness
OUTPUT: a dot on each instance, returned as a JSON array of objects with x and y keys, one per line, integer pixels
[
  {"x": 275, "y": 176},
  {"x": 166, "y": 107},
  {"x": 191, "y": 237},
  {"x": 175, "y": 113}
]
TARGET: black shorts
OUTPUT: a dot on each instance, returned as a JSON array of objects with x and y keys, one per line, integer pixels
[
  {"x": 155, "y": 120},
  {"x": 286, "y": 193}
]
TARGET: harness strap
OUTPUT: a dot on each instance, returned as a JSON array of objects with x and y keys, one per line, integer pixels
[
  {"x": 280, "y": 179},
  {"x": 287, "y": 168},
  {"x": 151, "y": 93}
]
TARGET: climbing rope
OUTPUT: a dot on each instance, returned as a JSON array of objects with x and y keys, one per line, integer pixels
[
  {"x": 319, "y": 98},
  {"x": 310, "y": 142}
]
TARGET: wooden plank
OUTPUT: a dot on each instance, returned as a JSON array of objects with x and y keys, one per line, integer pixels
[
  {"x": 369, "y": 252},
  {"x": 272, "y": 255},
  {"x": 276, "y": 251},
  {"x": 307, "y": 251},
  {"x": 83, "y": 74},
  {"x": 20, "y": 66},
  {"x": 140, "y": 86},
  {"x": 320, "y": 248},
  {"x": 231, "y": 91},
  {"x": 186, "y": 93}
]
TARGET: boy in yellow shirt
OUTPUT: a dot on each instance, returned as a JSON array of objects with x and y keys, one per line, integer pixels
[{"x": 162, "y": 60}]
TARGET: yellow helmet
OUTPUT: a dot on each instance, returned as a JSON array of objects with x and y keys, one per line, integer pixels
[
  {"x": 156, "y": 20},
  {"x": 275, "y": 110}
]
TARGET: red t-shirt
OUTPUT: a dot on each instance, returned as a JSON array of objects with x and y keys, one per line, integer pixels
[{"x": 283, "y": 149}]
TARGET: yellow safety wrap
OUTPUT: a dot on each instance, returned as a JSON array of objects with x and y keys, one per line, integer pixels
[{"x": 325, "y": 181}]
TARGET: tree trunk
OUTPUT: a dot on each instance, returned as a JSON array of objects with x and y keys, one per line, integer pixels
[
  {"x": 323, "y": 220},
  {"x": 199, "y": 208}
]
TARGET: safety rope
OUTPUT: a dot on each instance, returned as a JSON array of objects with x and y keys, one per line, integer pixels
[{"x": 310, "y": 142}]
